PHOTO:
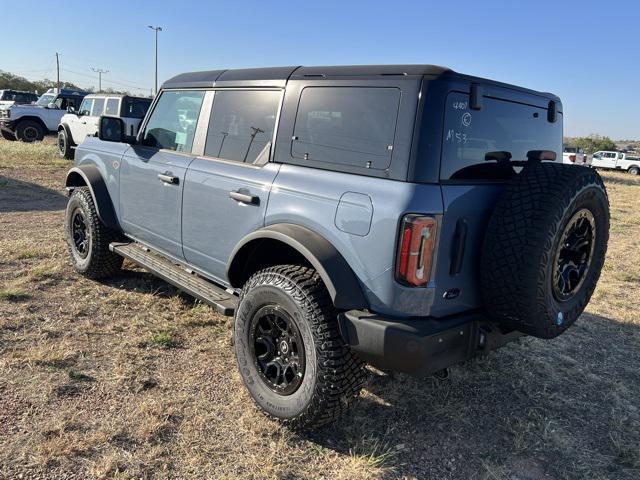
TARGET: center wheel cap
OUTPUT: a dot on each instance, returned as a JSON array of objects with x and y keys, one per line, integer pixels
[{"x": 284, "y": 346}]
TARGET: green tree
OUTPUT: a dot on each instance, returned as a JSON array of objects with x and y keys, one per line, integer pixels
[{"x": 593, "y": 143}]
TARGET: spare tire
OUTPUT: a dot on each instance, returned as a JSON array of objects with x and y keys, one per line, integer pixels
[{"x": 544, "y": 248}]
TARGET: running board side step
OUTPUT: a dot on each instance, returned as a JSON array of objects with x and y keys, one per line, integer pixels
[{"x": 224, "y": 302}]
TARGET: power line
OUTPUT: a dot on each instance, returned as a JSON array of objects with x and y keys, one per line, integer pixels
[{"x": 99, "y": 71}]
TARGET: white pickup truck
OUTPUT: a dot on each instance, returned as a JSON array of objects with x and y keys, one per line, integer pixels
[
  {"x": 616, "y": 161},
  {"x": 573, "y": 156}
]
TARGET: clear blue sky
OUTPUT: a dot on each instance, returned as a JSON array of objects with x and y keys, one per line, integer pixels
[{"x": 587, "y": 52}]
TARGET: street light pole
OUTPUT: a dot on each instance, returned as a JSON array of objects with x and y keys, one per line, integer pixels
[{"x": 156, "y": 29}]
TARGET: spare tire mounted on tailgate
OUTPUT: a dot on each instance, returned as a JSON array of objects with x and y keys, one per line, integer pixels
[{"x": 544, "y": 248}]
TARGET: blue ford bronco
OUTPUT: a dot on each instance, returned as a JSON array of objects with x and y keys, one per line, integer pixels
[{"x": 405, "y": 216}]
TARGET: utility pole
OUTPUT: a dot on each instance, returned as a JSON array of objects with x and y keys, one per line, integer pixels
[
  {"x": 99, "y": 71},
  {"x": 58, "y": 71},
  {"x": 157, "y": 29}
]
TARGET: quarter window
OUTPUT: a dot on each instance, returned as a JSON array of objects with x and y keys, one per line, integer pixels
[
  {"x": 112, "y": 106},
  {"x": 346, "y": 125},
  {"x": 241, "y": 124},
  {"x": 98, "y": 107},
  {"x": 172, "y": 124}
]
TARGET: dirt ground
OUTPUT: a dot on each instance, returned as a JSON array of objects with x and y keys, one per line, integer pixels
[{"x": 127, "y": 378}]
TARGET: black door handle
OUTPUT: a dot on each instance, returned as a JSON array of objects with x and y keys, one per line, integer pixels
[
  {"x": 166, "y": 178},
  {"x": 244, "y": 197}
]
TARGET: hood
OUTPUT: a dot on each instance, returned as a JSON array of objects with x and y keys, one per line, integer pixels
[
  {"x": 24, "y": 106},
  {"x": 6, "y": 103}
]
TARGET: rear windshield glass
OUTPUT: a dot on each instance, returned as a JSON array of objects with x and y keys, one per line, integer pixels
[
  {"x": 135, "y": 107},
  {"x": 491, "y": 143}
]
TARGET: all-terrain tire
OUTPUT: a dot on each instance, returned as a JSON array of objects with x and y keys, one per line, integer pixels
[
  {"x": 7, "y": 135},
  {"x": 94, "y": 260},
  {"x": 522, "y": 252},
  {"x": 29, "y": 131},
  {"x": 64, "y": 145},
  {"x": 634, "y": 170},
  {"x": 333, "y": 375}
]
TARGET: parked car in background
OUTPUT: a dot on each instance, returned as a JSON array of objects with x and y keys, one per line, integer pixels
[
  {"x": 16, "y": 97},
  {"x": 30, "y": 123},
  {"x": 77, "y": 124},
  {"x": 616, "y": 161},
  {"x": 391, "y": 214},
  {"x": 574, "y": 156}
]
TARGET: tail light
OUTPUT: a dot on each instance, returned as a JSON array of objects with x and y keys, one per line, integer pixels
[
  {"x": 572, "y": 158},
  {"x": 584, "y": 159},
  {"x": 415, "y": 249}
]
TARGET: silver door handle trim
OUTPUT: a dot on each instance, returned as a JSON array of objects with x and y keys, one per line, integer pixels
[
  {"x": 244, "y": 197},
  {"x": 168, "y": 178}
]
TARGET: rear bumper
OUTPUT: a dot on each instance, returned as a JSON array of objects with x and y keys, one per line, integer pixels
[{"x": 420, "y": 346}]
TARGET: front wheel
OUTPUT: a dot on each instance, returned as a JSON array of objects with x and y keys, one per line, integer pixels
[
  {"x": 88, "y": 238},
  {"x": 29, "y": 131},
  {"x": 7, "y": 135},
  {"x": 64, "y": 145},
  {"x": 291, "y": 356}
]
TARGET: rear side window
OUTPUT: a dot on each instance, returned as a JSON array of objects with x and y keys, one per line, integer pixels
[
  {"x": 112, "y": 106},
  {"x": 172, "y": 124},
  {"x": 135, "y": 107},
  {"x": 241, "y": 124},
  {"x": 98, "y": 106},
  {"x": 488, "y": 144},
  {"x": 352, "y": 126}
]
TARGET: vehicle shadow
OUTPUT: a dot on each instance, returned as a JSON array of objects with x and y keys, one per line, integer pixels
[
  {"x": 21, "y": 196},
  {"x": 567, "y": 408},
  {"x": 618, "y": 179}
]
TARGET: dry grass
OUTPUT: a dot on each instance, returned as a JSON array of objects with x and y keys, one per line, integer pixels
[{"x": 128, "y": 379}]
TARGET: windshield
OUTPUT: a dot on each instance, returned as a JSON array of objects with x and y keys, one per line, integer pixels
[{"x": 45, "y": 100}]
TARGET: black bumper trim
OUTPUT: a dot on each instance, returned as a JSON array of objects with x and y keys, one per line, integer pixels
[{"x": 420, "y": 346}]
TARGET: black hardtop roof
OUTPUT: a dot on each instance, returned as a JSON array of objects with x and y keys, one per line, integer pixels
[
  {"x": 280, "y": 75},
  {"x": 117, "y": 95}
]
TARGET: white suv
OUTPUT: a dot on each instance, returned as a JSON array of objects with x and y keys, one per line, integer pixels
[{"x": 76, "y": 125}]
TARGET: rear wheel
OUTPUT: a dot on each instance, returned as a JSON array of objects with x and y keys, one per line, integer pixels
[
  {"x": 64, "y": 145},
  {"x": 88, "y": 238},
  {"x": 291, "y": 356},
  {"x": 544, "y": 248},
  {"x": 634, "y": 170},
  {"x": 29, "y": 131}
]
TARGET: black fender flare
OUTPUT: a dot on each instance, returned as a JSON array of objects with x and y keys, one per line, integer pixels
[
  {"x": 89, "y": 175},
  {"x": 31, "y": 118},
  {"x": 341, "y": 282},
  {"x": 68, "y": 132}
]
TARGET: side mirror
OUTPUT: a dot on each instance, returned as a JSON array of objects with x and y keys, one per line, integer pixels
[
  {"x": 111, "y": 129},
  {"x": 52, "y": 105}
]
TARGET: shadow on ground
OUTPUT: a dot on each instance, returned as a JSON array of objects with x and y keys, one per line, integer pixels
[
  {"x": 20, "y": 196},
  {"x": 566, "y": 408}
]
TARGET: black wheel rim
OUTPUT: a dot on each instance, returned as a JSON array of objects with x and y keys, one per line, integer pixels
[
  {"x": 80, "y": 233},
  {"x": 574, "y": 255},
  {"x": 277, "y": 349},
  {"x": 30, "y": 133}
]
